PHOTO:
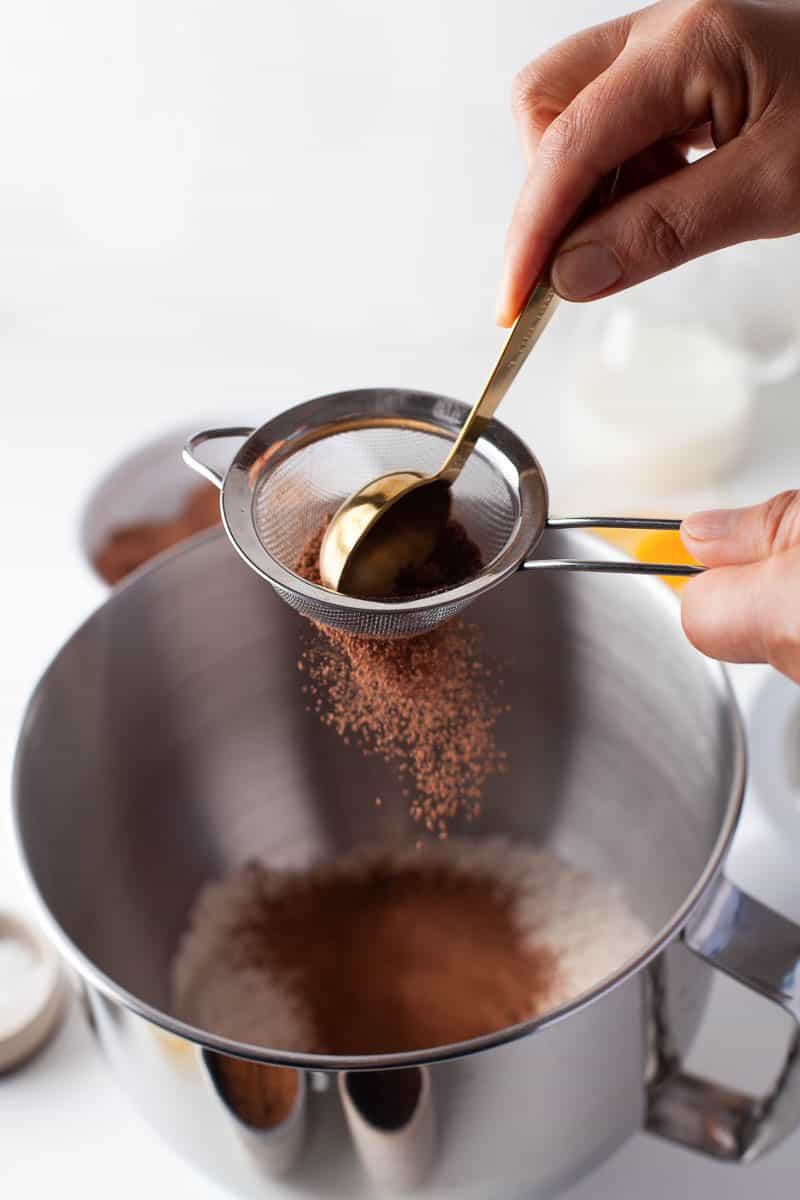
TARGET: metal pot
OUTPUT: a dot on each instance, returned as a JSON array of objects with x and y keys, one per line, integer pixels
[{"x": 169, "y": 741}]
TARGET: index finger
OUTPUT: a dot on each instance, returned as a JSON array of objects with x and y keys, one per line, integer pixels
[
  {"x": 632, "y": 105},
  {"x": 544, "y": 88}
]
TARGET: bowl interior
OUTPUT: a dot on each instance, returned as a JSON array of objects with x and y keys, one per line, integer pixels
[{"x": 170, "y": 741}]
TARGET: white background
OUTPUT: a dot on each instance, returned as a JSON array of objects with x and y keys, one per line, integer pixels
[{"x": 215, "y": 210}]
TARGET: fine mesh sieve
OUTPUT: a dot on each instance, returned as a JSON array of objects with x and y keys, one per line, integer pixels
[{"x": 294, "y": 472}]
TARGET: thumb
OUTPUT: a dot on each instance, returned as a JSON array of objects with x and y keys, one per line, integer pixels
[
  {"x": 748, "y": 613},
  {"x": 712, "y": 203},
  {"x": 726, "y": 537}
]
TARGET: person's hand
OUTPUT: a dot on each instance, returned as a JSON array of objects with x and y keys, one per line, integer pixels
[
  {"x": 639, "y": 91},
  {"x": 747, "y": 607}
]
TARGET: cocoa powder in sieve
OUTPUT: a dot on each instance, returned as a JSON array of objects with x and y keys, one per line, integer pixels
[
  {"x": 455, "y": 558},
  {"x": 427, "y": 705},
  {"x": 133, "y": 545}
]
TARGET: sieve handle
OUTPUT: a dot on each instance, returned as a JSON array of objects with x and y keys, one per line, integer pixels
[
  {"x": 760, "y": 949},
  {"x": 211, "y": 435},
  {"x": 611, "y": 566}
]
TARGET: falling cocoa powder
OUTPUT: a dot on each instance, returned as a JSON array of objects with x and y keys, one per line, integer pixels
[
  {"x": 261, "y": 1095},
  {"x": 132, "y": 545},
  {"x": 428, "y": 705}
]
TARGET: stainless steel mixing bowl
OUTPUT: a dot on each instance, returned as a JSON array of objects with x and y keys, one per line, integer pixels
[{"x": 169, "y": 741}]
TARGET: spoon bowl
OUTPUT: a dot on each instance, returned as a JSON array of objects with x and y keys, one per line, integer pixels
[{"x": 391, "y": 524}]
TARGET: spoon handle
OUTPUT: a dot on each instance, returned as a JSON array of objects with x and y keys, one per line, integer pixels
[{"x": 522, "y": 337}]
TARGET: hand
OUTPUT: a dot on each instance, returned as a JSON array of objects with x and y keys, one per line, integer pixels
[
  {"x": 639, "y": 91},
  {"x": 747, "y": 608}
]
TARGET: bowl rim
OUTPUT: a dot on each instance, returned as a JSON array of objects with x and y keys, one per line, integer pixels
[{"x": 90, "y": 973}]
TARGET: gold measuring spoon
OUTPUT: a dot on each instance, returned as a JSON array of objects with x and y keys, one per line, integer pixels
[{"x": 395, "y": 521}]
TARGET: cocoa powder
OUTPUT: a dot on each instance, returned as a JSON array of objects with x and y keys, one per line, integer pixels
[
  {"x": 387, "y": 950},
  {"x": 455, "y": 558},
  {"x": 133, "y": 545},
  {"x": 382, "y": 955},
  {"x": 427, "y": 705}
]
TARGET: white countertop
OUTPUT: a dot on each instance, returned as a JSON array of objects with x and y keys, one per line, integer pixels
[{"x": 212, "y": 212}]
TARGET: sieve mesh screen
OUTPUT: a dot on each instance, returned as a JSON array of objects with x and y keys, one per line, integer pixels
[
  {"x": 292, "y": 499},
  {"x": 390, "y": 623}
]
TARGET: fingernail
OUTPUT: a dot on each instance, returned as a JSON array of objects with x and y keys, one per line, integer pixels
[
  {"x": 585, "y": 271},
  {"x": 712, "y": 525},
  {"x": 501, "y": 303}
]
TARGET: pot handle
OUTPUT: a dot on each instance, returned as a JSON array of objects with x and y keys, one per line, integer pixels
[
  {"x": 210, "y": 435},
  {"x": 736, "y": 934},
  {"x": 609, "y": 566}
]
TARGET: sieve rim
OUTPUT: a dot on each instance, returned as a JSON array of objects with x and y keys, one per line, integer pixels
[{"x": 373, "y": 408}]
